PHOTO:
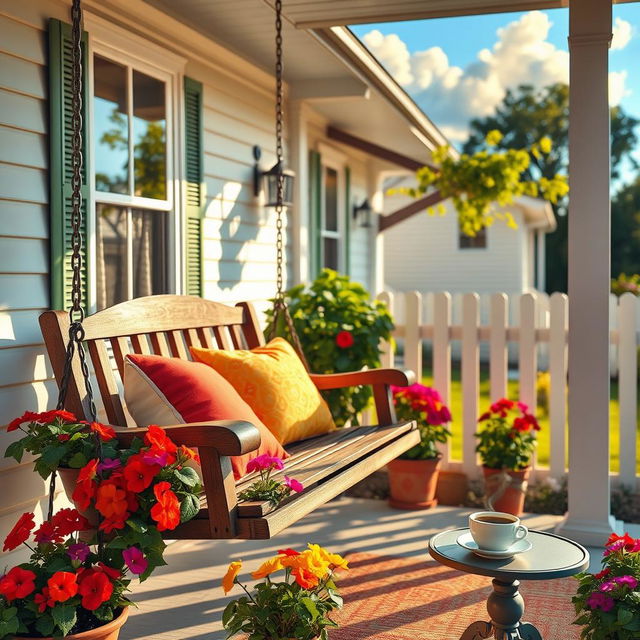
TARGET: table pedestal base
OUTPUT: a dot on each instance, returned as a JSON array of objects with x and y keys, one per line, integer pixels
[{"x": 506, "y": 607}]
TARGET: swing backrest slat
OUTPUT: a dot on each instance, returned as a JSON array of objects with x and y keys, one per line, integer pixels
[{"x": 164, "y": 325}]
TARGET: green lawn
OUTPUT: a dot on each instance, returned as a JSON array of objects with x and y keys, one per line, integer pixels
[{"x": 543, "y": 437}]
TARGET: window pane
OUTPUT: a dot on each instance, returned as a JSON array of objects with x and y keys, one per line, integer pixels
[
  {"x": 479, "y": 241},
  {"x": 111, "y": 126},
  {"x": 331, "y": 199},
  {"x": 111, "y": 255},
  {"x": 330, "y": 260},
  {"x": 149, "y": 229},
  {"x": 149, "y": 137}
]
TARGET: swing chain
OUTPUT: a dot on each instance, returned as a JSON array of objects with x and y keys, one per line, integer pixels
[
  {"x": 76, "y": 311},
  {"x": 280, "y": 305}
]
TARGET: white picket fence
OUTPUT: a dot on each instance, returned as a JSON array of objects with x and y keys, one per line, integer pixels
[{"x": 530, "y": 332}]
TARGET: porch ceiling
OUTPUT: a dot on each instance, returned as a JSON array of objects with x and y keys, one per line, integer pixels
[{"x": 315, "y": 69}]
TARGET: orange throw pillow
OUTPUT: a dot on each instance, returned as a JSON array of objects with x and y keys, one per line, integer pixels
[
  {"x": 274, "y": 383},
  {"x": 166, "y": 391}
]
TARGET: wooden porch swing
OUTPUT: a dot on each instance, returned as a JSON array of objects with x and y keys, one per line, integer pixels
[{"x": 167, "y": 325}]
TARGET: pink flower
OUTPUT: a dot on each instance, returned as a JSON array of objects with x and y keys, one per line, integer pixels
[
  {"x": 600, "y": 601},
  {"x": 155, "y": 456},
  {"x": 264, "y": 462},
  {"x": 135, "y": 560},
  {"x": 109, "y": 464},
  {"x": 293, "y": 484},
  {"x": 609, "y": 585},
  {"x": 628, "y": 581},
  {"x": 78, "y": 552}
]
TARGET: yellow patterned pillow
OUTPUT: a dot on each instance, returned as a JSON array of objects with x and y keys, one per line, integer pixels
[{"x": 274, "y": 383}]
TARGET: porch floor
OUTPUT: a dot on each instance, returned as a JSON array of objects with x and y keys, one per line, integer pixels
[{"x": 184, "y": 601}]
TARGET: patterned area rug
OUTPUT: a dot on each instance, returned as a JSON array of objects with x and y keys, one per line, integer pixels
[{"x": 394, "y": 598}]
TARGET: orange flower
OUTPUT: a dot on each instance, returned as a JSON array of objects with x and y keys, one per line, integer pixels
[
  {"x": 332, "y": 558},
  {"x": 89, "y": 471},
  {"x": 267, "y": 568},
  {"x": 105, "y": 432},
  {"x": 305, "y": 579},
  {"x": 231, "y": 575},
  {"x": 166, "y": 512},
  {"x": 111, "y": 502},
  {"x": 139, "y": 475},
  {"x": 158, "y": 439},
  {"x": 95, "y": 588},
  {"x": 62, "y": 586},
  {"x": 190, "y": 454},
  {"x": 20, "y": 532}
]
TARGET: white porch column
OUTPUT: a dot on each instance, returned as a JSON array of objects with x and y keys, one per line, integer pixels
[
  {"x": 588, "y": 519},
  {"x": 540, "y": 281}
]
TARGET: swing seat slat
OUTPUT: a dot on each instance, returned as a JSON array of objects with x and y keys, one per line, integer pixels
[{"x": 167, "y": 325}]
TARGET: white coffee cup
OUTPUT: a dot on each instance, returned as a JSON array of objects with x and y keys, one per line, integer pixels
[{"x": 495, "y": 530}]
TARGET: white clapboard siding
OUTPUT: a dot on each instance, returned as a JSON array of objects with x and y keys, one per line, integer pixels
[{"x": 558, "y": 325}]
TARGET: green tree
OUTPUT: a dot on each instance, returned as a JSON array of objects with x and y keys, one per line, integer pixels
[
  {"x": 524, "y": 117},
  {"x": 625, "y": 230}
]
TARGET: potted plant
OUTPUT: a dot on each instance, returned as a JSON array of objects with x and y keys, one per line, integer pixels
[
  {"x": 608, "y": 603},
  {"x": 295, "y": 607},
  {"x": 506, "y": 444},
  {"x": 413, "y": 476},
  {"x": 125, "y": 498}
]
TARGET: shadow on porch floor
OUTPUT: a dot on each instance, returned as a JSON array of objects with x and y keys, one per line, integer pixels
[{"x": 184, "y": 601}]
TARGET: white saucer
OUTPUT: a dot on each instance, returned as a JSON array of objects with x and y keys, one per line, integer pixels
[{"x": 466, "y": 541}]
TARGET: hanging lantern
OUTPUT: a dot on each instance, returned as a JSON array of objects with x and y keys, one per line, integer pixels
[
  {"x": 268, "y": 181},
  {"x": 362, "y": 214}
]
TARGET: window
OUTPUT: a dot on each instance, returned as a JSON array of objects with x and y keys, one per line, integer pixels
[
  {"x": 331, "y": 216},
  {"x": 479, "y": 241},
  {"x": 134, "y": 204}
]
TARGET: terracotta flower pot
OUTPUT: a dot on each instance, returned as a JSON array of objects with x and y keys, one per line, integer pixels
[
  {"x": 69, "y": 478},
  {"x": 413, "y": 483},
  {"x": 109, "y": 631},
  {"x": 505, "y": 490},
  {"x": 452, "y": 488}
]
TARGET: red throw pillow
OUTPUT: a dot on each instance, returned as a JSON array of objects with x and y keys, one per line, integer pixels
[{"x": 167, "y": 391}]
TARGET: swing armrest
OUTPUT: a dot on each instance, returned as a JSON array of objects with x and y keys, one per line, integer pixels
[
  {"x": 228, "y": 437},
  {"x": 373, "y": 377}
]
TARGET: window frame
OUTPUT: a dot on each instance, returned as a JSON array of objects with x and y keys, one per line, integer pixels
[
  {"x": 461, "y": 235},
  {"x": 136, "y": 53}
]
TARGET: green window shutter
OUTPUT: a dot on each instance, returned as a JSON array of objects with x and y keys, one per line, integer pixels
[
  {"x": 347, "y": 220},
  {"x": 315, "y": 213},
  {"x": 195, "y": 192},
  {"x": 60, "y": 62}
]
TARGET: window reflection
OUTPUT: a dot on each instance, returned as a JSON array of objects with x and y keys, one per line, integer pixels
[
  {"x": 111, "y": 124},
  {"x": 149, "y": 238},
  {"x": 149, "y": 137},
  {"x": 111, "y": 252},
  {"x": 331, "y": 199}
]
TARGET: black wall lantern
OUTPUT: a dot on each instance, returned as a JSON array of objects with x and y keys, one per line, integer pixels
[
  {"x": 268, "y": 181},
  {"x": 362, "y": 213}
]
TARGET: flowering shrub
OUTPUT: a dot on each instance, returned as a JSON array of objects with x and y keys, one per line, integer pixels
[
  {"x": 626, "y": 284},
  {"x": 266, "y": 487},
  {"x": 132, "y": 496},
  {"x": 340, "y": 329},
  {"x": 425, "y": 406},
  {"x": 64, "y": 587},
  {"x": 608, "y": 603},
  {"x": 507, "y": 440},
  {"x": 296, "y": 607}
]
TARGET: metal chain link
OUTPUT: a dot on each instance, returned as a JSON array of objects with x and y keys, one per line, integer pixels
[
  {"x": 280, "y": 307},
  {"x": 76, "y": 311}
]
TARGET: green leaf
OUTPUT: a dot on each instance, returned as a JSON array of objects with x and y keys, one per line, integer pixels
[
  {"x": 51, "y": 456},
  {"x": 188, "y": 476},
  {"x": 137, "y": 524},
  {"x": 310, "y": 605},
  {"x": 624, "y": 616},
  {"x": 9, "y": 613},
  {"x": 42, "y": 469},
  {"x": 64, "y": 617},
  {"x": 45, "y": 625},
  {"x": 15, "y": 450},
  {"x": 189, "y": 507},
  {"x": 77, "y": 461},
  {"x": 8, "y": 627}
]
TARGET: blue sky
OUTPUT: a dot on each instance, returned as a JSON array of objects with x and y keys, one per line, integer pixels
[{"x": 441, "y": 69}]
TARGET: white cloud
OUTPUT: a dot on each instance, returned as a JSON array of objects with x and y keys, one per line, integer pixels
[
  {"x": 622, "y": 34},
  {"x": 452, "y": 96}
]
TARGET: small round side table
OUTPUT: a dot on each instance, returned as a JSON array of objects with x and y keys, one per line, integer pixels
[{"x": 550, "y": 557}]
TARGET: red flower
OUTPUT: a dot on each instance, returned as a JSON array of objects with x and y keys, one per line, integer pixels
[
  {"x": 89, "y": 471},
  {"x": 602, "y": 574},
  {"x": 502, "y": 407},
  {"x": 111, "y": 502},
  {"x": 69, "y": 521},
  {"x": 63, "y": 437},
  {"x": 305, "y": 579},
  {"x": 62, "y": 586},
  {"x": 112, "y": 574},
  {"x": 166, "y": 512},
  {"x": 139, "y": 475},
  {"x": 344, "y": 339},
  {"x": 48, "y": 533},
  {"x": 18, "y": 583},
  {"x": 20, "y": 532},
  {"x": 288, "y": 552},
  {"x": 43, "y": 600},
  {"x": 485, "y": 416},
  {"x": 105, "y": 432},
  {"x": 95, "y": 588},
  {"x": 158, "y": 439},
  {"x": 109, "y": 525},
  {"x": 83, "y": 494}
]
